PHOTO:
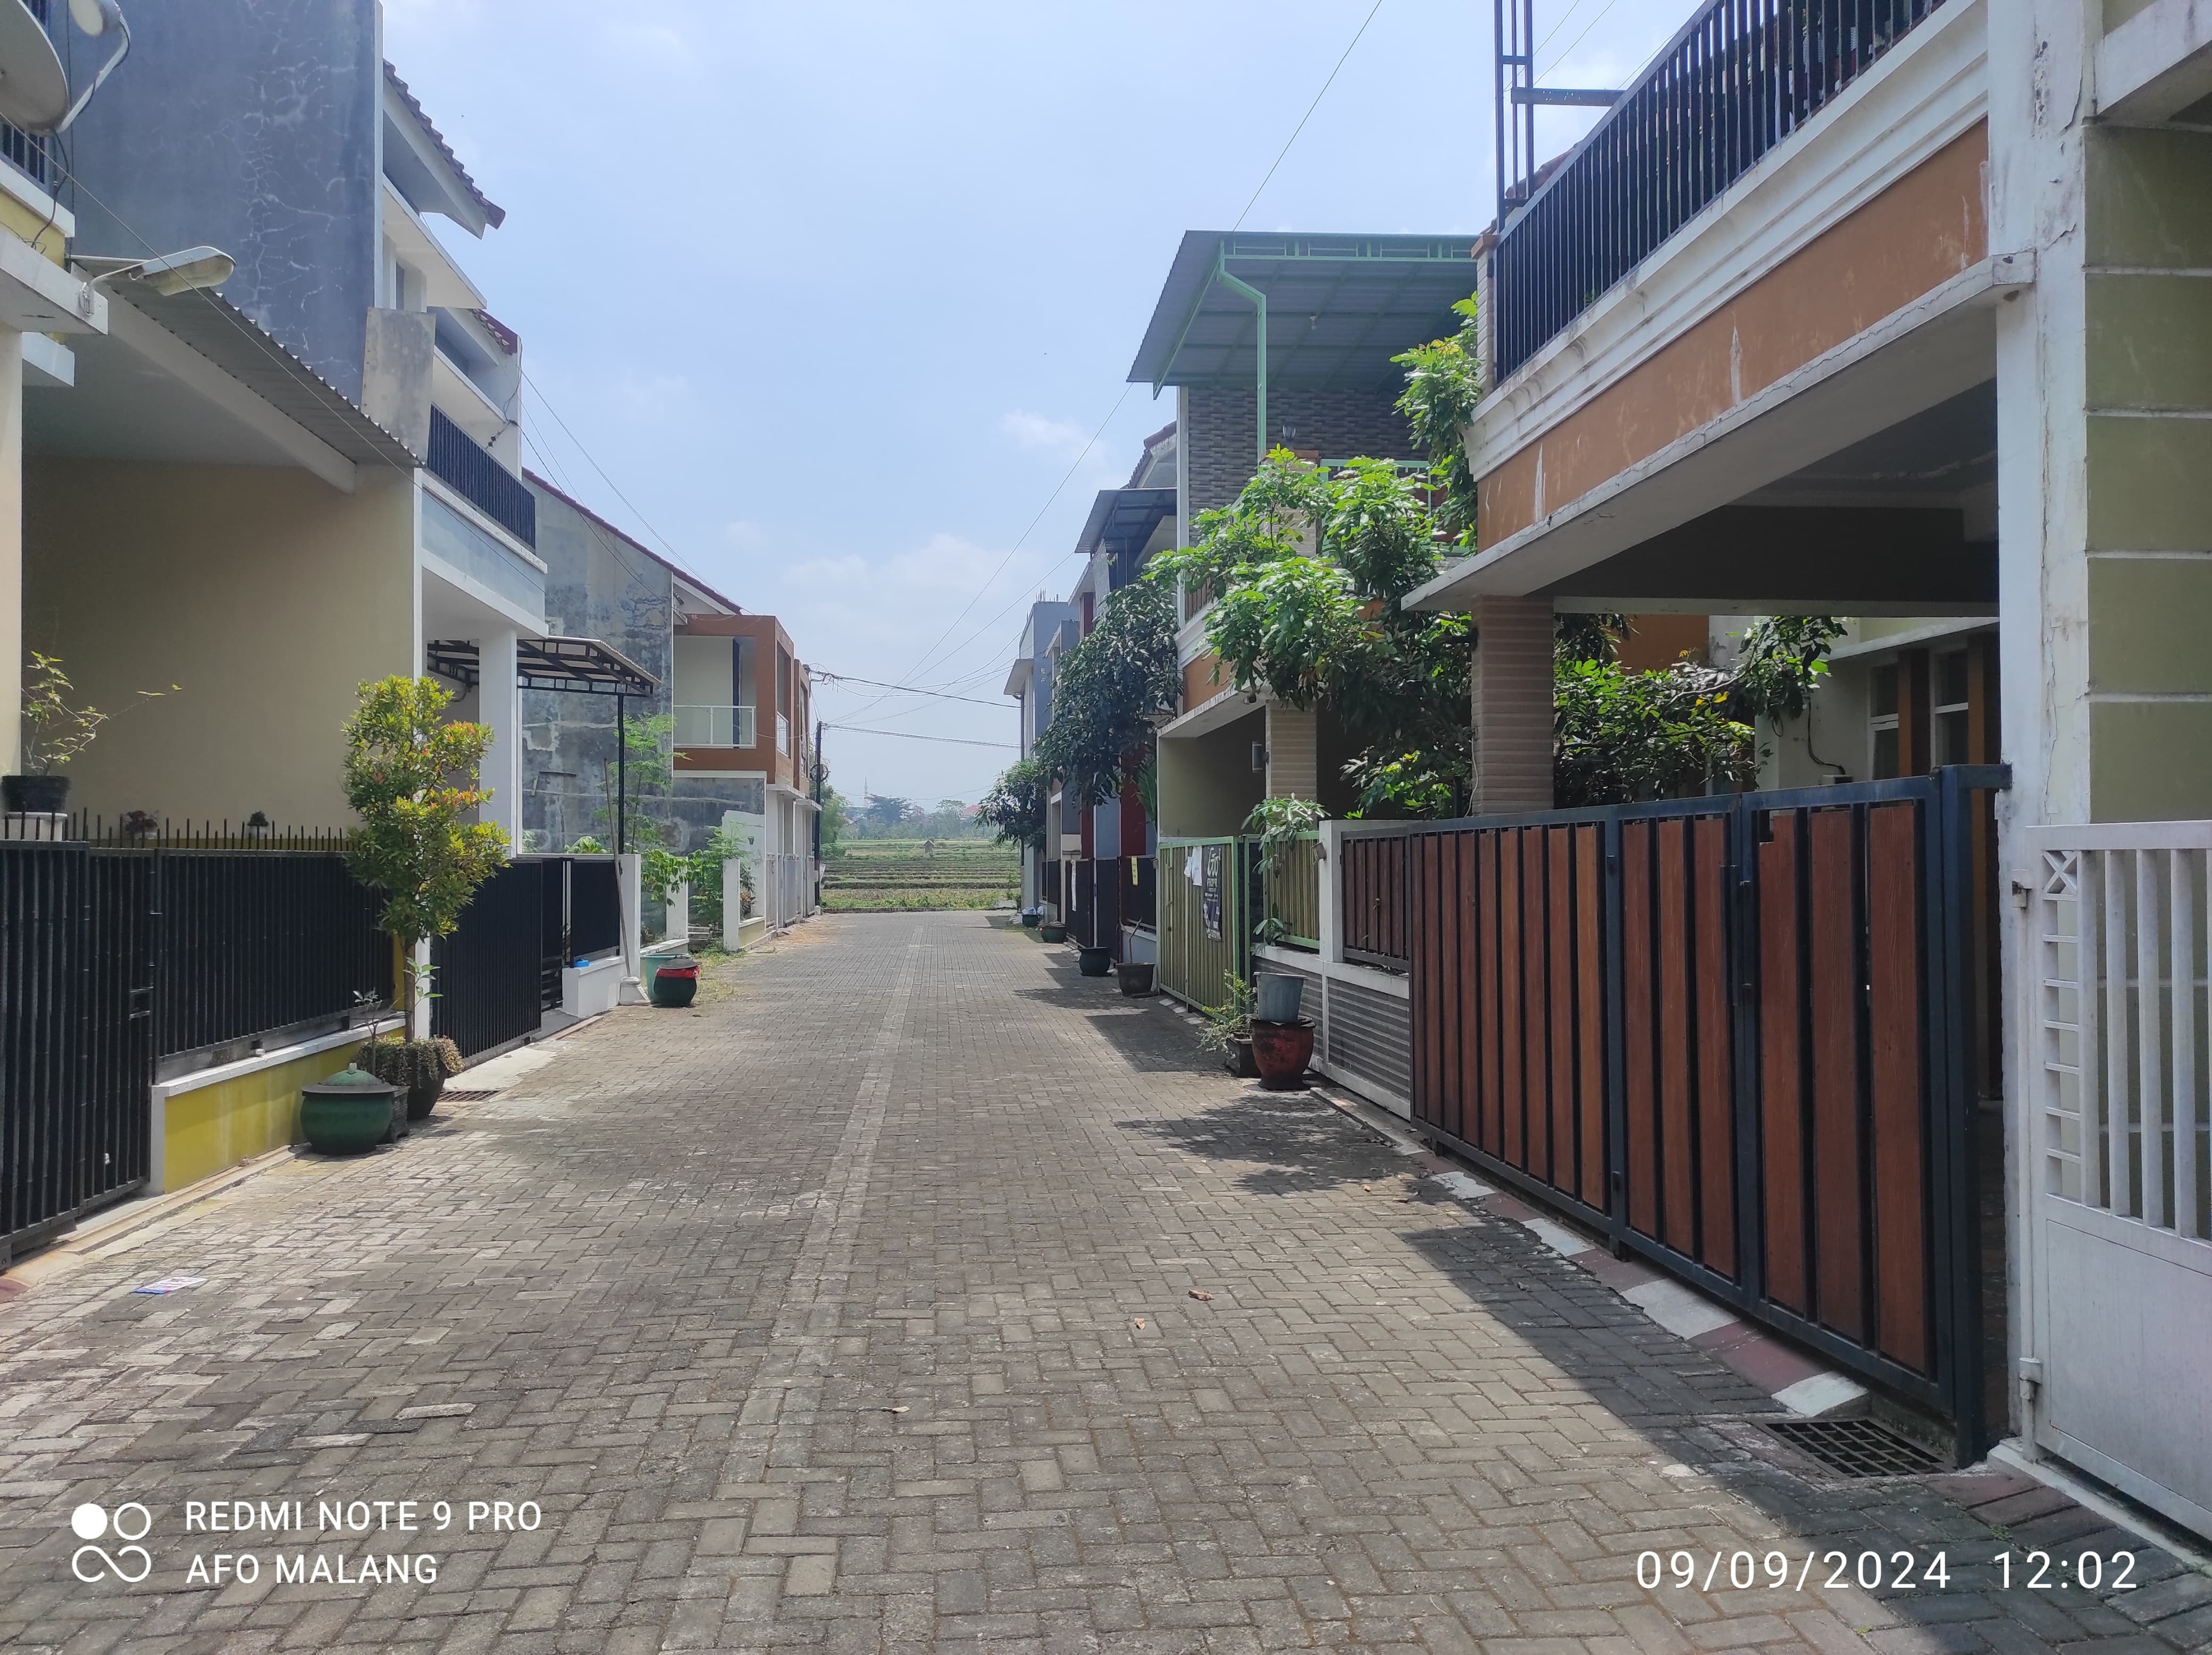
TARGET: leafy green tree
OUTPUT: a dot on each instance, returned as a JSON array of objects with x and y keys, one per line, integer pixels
[
  {"x": 411, "y": 777},
  {"x": 1443, "y": 384},
  {"x": 835, "y": 809},
  {"x": 1310, "y": 571},
  {"x": 641, "y": 785},
  {"x": 1108, "y": 690},
  {"x": 1014, "y": 809}
]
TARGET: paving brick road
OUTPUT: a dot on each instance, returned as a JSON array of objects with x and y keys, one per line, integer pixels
[{"x": 853, "y": 1312}]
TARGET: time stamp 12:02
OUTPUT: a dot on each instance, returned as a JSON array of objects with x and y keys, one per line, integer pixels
[{"x": 1874, "y": 1570}]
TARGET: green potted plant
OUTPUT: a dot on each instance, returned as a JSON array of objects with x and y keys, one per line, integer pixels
[
  {"x": 54, "y": 733},
  {"x": 1228, "y": 1030},
  {"x": 420, "y": 1067},
  {"x": 412, "y": 779}
]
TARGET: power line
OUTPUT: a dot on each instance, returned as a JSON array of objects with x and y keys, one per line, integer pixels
[
  {"x": 904, "y": 688},
  {"x": 1302, "y": 120},
  {"x": 1024, "y": 536},
  {"x": 908, "y": 735},
  {"x": 1579, "y": 39},
  {"x": 675, "y": 556}
]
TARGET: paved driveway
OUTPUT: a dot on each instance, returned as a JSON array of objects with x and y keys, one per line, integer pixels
[{"x": 854, "y": 1309}]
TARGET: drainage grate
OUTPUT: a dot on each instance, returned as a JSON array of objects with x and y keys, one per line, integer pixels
[
  {"x": 1856, "y": 1448},
  {"x": 467, "y": 1095}
]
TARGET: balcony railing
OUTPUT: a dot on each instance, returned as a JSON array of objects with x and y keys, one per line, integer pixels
[
  {"x": 25, "y": 151},
  {"x": 715, "y": 727},
  {"x": 457, "y": 459},
  {"x": 1740, "y": 77}
]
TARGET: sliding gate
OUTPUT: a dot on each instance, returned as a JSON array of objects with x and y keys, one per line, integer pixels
[{"x": 1738, "y": 1036}]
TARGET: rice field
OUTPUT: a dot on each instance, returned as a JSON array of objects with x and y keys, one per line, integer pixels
[{"x": 913, "y": 875}]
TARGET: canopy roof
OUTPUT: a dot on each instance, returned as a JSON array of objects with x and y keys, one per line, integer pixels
[
  {"x": 577, "y": 666},
  {"x": 1338, "y": 307}
]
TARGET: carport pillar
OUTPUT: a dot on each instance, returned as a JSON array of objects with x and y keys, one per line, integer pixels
[
  {"x": 11, "y": 550},
  {"x": 498, "y": 703},
  {"x": 1513, "y": 705}
]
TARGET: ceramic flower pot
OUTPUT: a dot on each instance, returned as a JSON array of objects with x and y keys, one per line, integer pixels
[
  {"x": 423, "y": 1098},
  {"x": 348, "y": 1113},
  {"x": 1031, "y": 920},
  {"x": 1237, "y": 1060},
  {"x": 675, "y": 985},
  {"x": 1282, "y": 1050},
  {"x": 35, "y": 795},
  {"x": 1094, "y": 962},
  {"x": 1052, "y": 933},
  {"x": 1136, "y": 976}
]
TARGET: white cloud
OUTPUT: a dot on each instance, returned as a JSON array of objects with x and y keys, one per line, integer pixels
[{"x": 1042, "y": 433}]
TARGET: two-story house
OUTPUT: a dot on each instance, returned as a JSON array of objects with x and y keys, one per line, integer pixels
[
  {"x": 1905, "y": 321},
  {"x": 271, "y": 494}
]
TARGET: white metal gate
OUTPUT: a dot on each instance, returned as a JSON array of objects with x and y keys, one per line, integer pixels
[{"x": 2117, "y": 1193}]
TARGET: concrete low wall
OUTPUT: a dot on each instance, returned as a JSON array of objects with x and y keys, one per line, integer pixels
[{"x": 207, "y": 1122}]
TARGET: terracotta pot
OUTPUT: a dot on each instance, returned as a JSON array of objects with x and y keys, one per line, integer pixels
[{"x": 1282, "y": 1050}]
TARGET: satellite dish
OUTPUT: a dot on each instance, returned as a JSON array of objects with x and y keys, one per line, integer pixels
[{"x": 33, "y": 91}]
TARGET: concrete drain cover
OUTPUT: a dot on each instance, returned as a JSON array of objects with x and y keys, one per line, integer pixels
[{"x": 1855, "y": 1448}]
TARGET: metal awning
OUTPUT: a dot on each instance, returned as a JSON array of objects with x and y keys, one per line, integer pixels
[
  {"x": 565, "y": 665},
  {"x": 1122, "y": 520},
  {"x": 1341, "y": 307}
]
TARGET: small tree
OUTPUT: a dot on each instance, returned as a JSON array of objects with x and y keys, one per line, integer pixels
[
  {"x": 1015, "y": 806},
  {"x": 411, "y": 777},
  {"x": 1107, "y": 692}
]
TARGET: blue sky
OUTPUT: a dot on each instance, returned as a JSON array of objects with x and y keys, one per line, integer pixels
[{"x": 835, "y": 296}]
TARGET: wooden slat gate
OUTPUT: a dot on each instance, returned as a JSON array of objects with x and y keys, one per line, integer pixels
[{"x": 1736, "y": 1035}]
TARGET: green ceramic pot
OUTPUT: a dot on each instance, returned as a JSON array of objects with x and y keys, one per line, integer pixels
[{"x": 347, "y": 1114}]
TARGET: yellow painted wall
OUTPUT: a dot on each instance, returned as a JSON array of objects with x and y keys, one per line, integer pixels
[
  {"x": 33, "y": 228},
  {"x": 266, "y": 594},
  {"x": 213, "y": 1128}
]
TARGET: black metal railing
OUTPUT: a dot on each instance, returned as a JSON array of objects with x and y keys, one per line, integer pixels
[
  {"x": 1739, "y": 79},
  {"x": 486, "y": 975},
  {"x": 458, "y": 460},
  {"x": 252, "y": 941}
]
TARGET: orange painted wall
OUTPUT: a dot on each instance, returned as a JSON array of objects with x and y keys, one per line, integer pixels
[{"x": 1918, "y": 234}]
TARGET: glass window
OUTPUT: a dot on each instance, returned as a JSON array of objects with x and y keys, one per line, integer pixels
[
  {"x": 1881, "y": 724},
  {"x": 1953, "y": 714}
]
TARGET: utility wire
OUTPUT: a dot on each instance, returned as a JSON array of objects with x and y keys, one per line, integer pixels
[
  {"x": 904, "y": 688},
  {"x": 1579, "y": 39},
  {"x": 1302, "y": 120},
  {"x": 1065, "y": 479},
  {"x": 908, "y": 735},
  {"x": 675, "y": 556}
]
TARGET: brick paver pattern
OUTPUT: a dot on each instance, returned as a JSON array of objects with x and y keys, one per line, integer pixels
[{"x": 853, "y": 1310}]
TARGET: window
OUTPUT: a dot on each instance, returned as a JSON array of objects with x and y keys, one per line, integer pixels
[
  {"x": 1953, "y": 719},
  {"x": 1882, "y": 723}
]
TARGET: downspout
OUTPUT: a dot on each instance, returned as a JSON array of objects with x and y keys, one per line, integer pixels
[{"x": 1258, "y": 301}]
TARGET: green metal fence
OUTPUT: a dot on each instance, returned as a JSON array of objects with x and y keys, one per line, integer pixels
[
  {"x": 1291, "y": 892},
  {"x": 1205, "y": 920}
]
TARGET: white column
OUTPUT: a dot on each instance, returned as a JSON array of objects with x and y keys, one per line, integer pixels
[
  {"x": 629, "y": 884},
  {"x": 11, "y": 548},
  {"x": 733, "y": 903},
  {"x": 679, "y": 913},
  {"x": 1332, "y": 894},
  {"x": 499, "y": 705}
]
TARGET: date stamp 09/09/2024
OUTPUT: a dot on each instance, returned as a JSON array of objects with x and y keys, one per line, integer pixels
[{"x": 1874, "y": 1570}]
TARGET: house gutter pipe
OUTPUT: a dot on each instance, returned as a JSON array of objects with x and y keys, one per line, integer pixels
[
  {"x": 1258, "y": 301},
  {"x": 622, "y": 770}
]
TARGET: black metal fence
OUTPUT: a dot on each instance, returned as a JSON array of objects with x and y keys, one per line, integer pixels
[
  {"x": 457, "y": 459},
  {"x": 1739, "y": 79},
  {"x": 252, "y": 941},
  {"x": 487, "y": 975},
  {"x": 113, "y": 960}
]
